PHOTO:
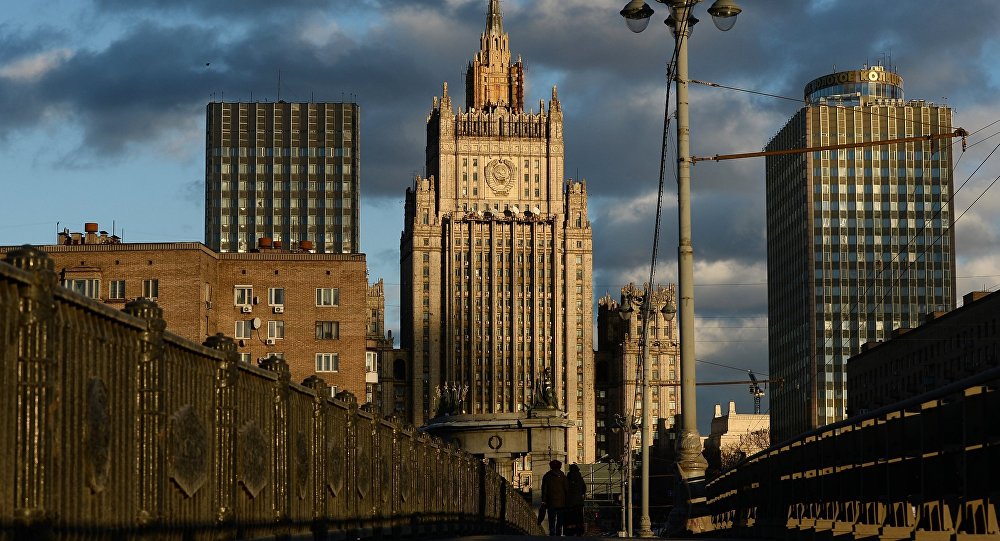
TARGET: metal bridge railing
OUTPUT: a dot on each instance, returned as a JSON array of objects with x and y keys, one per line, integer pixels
[
  {"x": 923, "y": 468},
  {"x": 112, "y": 426}
]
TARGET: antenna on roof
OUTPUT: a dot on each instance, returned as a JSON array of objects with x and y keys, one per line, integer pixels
[{"x": 279, "y": 85}]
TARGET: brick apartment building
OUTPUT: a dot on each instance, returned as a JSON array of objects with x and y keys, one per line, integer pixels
[{"x": 309, "y": 308}]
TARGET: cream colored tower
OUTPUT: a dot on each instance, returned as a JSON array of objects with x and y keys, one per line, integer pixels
[{"x": 496, "y": 260}]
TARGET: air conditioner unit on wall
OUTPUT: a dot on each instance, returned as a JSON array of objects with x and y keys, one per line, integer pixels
[
  {"x": 246, "y": 309},
  {"x": 279, "y": 309},
  {"x": 269, "y": 341}
]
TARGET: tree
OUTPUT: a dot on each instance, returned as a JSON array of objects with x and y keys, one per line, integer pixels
[{"x": 749, "y": 443}]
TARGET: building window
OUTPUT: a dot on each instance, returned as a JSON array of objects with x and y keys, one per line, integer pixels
[
  {"x": 151, "y": 288},
  {"x": 89, "y": 287},
  {"x": 327, "y": 362},
  {"x": 276, "y": 296},
  {"x": 327, "y": 296},
  {"x": 327, "y": 330},
  {"x": 116, "y": 290},
  {"x": 245, "y": 358},
  {"x": 243, "y": 295},
  {"x": 243, "y": 329},
  {"x": 371, "y": 361},
  {"x": 276, "y": 329}
]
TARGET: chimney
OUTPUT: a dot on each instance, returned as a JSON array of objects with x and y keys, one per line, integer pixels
[
  {"x": 718, "y": 410},
  {"x": 90, "y": 229},
  {"x": 732, "y": 407}
]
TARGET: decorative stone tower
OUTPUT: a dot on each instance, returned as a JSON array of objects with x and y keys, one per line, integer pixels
[{"x": 496, "y": 269}]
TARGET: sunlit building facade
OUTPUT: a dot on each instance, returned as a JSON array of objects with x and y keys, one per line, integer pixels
[
  {"x": 860, "y": 240},
  {"x": 285, "y": 173},
  {"x": 496, "y": 259},
  {"x": 618, "y": 368}
]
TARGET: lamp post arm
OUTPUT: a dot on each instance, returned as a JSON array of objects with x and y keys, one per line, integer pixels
[{"x": 959, "y": 132}]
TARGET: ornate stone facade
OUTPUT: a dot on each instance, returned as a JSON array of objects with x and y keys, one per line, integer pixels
[
  {"x": 496, "y": 257},
  {"x": 618, "y": 368}
]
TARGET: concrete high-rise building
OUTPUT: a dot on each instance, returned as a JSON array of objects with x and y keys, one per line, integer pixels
[
  {"x": 282, "y": 172},
  {"x": 496, "y": 267},
  {"x": 859, "y": 241}
]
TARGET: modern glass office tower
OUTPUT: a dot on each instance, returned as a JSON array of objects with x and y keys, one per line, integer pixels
[
  {"x": 860, "y": 241},
  {"x": 282, "y": 173}
]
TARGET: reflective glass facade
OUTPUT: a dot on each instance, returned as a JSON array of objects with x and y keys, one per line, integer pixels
[{"x": 860, "y": 243}]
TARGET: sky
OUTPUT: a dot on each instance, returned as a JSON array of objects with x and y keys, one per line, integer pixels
[{"x": 102, "y": 115}]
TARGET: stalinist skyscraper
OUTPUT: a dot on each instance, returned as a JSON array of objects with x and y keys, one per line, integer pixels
[{"x": 496, "y": 270}]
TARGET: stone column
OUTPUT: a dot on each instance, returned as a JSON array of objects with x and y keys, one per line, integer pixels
[
  {"x": 321, "y": 406},
  {"x": 225, "y": 427},
  {"x": 547, "y": 442},
  {"x": 148, "y": 489},
  {"x": 279, "y": 440},
  {"x": 32, "y": 463}
]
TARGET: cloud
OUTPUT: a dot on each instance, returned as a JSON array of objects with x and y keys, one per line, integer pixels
[
  {"x": 30, "y": 69},
  {"x": 142, "y": 87}
]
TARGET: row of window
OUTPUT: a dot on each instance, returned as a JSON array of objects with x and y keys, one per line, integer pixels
[
  {"x": 292, "y": 152},
  {"x": 325, "y": 330},
  {"x": 325, "y": 362},
  {"x": 243, "y": 296},
  {"x": 91, "y": 287},
  {"x": 312, "y": 169}
]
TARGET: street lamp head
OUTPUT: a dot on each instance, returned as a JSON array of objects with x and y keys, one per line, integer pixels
[
  {"x": 637, "y": 14},
  {"x": 669, "y": 311},
  {"x": 724, "y": 14},
  {"x": 691, "y": 21},
  {"x": 626, "y": 309}
]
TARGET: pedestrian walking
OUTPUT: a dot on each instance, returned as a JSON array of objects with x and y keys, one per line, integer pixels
[
  {"x": 554, "y": 489},
  {"x": 576, "y": 490}
]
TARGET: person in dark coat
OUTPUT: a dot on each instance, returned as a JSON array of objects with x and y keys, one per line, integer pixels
[
  {"x": 554, "y": 489},
  {"x": 576, "y": 490}
]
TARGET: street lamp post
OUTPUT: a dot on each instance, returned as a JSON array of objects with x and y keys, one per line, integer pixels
[
  {"x": 647, "y": 314},
  {"x": 690, "y": 462},
  {"x": 627, "y": 426}
]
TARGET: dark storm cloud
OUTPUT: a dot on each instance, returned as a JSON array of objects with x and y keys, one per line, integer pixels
[
  {"x": 250, "y": 9},
  {"x": 392, "y": 57}
]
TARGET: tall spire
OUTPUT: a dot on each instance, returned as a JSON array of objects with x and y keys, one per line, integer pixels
[
  {"x": 494, "y": 18},
  {"x": 491, "y": 81}
]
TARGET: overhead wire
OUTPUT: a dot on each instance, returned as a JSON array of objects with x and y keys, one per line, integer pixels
[
  {"x": 869, "y": 113},
  {"x": 830, "y": 105}
]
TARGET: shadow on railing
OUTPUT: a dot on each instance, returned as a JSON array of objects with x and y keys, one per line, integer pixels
[
  {"x": 113, "y": 426},
  {"x": 923, "y": 468}
]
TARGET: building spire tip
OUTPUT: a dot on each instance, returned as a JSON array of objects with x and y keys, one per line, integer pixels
[{"x": 494, "y": 18}]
